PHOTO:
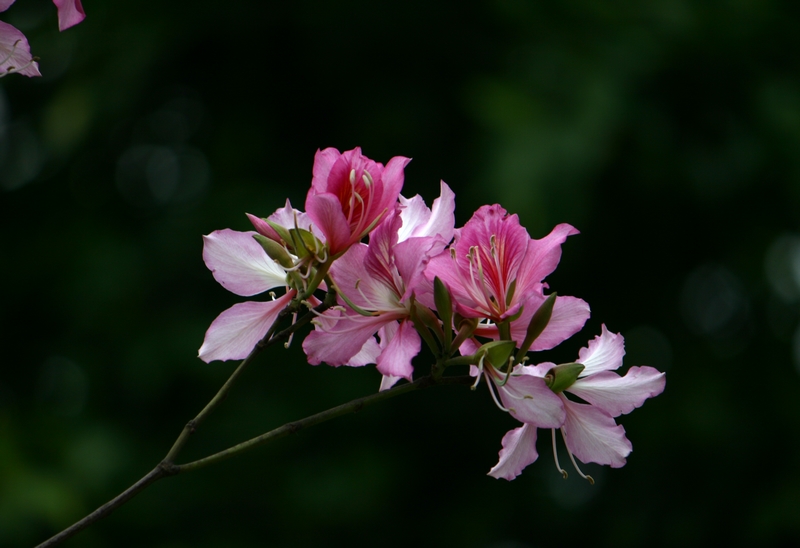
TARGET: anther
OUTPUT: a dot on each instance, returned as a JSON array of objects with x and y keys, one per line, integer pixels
[{"x": 352, "y": 176}]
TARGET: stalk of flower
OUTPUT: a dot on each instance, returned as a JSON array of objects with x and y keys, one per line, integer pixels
[
  {"x": 589, "y": 430},
  {"x": 377, "y": 284}
]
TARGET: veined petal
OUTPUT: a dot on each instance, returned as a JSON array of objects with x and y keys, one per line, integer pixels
[
  {"x": 529, "y": 400},
  {"x": 542, "y": 256},
  {"x": 387, "y": 381},
  {"x": 569, "y": 316},
  {"x": 519, "y": 450},
  {"x": 240, "y": 264},
  {"x": 15, "y": 52},
  {"x": 419, "y": 221},
  {"x": 368, "y": 354},
  {"x": 341, "y": 341},
  {"x": 70, "y": 13},
  {"x": 235, "y": 332},
  {"x": 619, "y": 395},
  {"x": 592, "y": 435},
  {"x": 402, "y": 347},
  {"x": 326, "y": 213},
  {"x": 323, "y": 163},
  {"x": 604, "y": 353}
]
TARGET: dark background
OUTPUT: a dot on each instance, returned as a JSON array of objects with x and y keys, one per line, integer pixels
[{"x": 667, "y": 131}]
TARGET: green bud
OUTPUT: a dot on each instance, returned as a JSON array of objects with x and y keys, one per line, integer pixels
[
  {"x": 305, "y": 243},
  {"x": 282, "y": 232},
  {"x": 538, "y": 323},
  {"x": 562, "y": 376},
  {"x": 275, "y": 251},
  {"x": 498, "y": 352},
  {"x": 444, "y": 306}
]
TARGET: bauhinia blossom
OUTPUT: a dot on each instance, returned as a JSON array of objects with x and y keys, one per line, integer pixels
[
  {"x": 495, "y": 270},
  {"x": 15, "y": 53},
  {"x": 379, "y": 280},
  {"x": 350, "y": 194},
  {"x": 589, "y": 429}
]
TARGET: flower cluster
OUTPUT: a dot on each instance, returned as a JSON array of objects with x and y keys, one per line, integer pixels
[
  {"x": 476, "y": 295},
  {"x": 15, "y": 53}
]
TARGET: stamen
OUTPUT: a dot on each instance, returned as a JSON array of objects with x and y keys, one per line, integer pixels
[
  {"x": 555, "y": 455},
  {"x": 288, "y": 342},
  {"x": 272, "y": 294},
  {"x": 480, "y": 374},
  {"x": 353, "y": 177},
  {"x": 496, "y": 401},
  {"x": 588, "y": 478},
  {"x": 367, "y": 178}
]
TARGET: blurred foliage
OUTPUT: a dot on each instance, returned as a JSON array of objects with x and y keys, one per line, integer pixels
[{"x": 667, "y": 131}]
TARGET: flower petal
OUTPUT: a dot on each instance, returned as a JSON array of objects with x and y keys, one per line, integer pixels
[
  {"x": 240, "y": 264},
  {"x": 529, "y": 400},
  {"x": 542, "y": 256},
  {"x": 15, "y": 52},
  {"x": 519, "y": 450},
  {"x": 604, "y": 353},
  {"x": 342, "y": 338},
  {"x": 419, "y": 221},
  {"x": 325, "y": 212},
  {"x": 592, "y": 435},
  {"x": 402, "y": 347},
  {"x": 235, "y": 332},
  {"x": 70, "y": 13},
  {"x": 619, "y": 395}
]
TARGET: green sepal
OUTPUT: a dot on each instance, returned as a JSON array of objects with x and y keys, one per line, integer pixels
[
  {"x": 562, "y": 376},
  {"x": 275, "y": 251},
  {"x": 498, "y": 352},
  {"x": 283, "y": 232},
  {"x": 304, "y": 242},
  {"x": 444, "y": 306},
  {"x": 430, "y": 320},
  {"x": 538, "y": 324},
  {"x": 423, "y": 331},
  {"x": 466, "y": 327}
]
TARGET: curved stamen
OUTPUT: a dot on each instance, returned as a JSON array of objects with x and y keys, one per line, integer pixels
[
  {"x": 588, "y": 478},
  {"x": 480, "y": 374},
  {"x": 494, "y": 397},
  {"x": 555, "y": 455}
]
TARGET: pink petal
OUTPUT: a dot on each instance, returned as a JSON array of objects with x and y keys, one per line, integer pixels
[
  {"x": 392, "y": 179},
  {"x": 323, "y": 162},
  {"x": 542, "y": 256},
  {"x": 402, "y": 347},
  {"x": 70, "y": 13},
  {"x": 387, "y": 381},
  {"x": 325, "y": 212},
  {"x": 419, "y": 221},
  {"x": 604, "y": 353},
  {"x": 519, "y": 450},
  {"x": 529, "y": 400},
  {"x": 593, "y": 436},
  {"x": 619, "y": 395},
  {"x": 240, "y": 264},
  {"x": 235, "y": 332},
  {"x": 5, "y": 4},
  {"x": 15, "y": 53},
  {"x": 338, "y": 343}
]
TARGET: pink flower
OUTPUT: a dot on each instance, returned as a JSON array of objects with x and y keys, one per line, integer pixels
[
  {"x": 589, "y": 429},
  {"x": 350, "y": 194},
  {"x": 379, "y": 279},
  {"x": 495, "y": 270},
  {"x": 240, "y": 265},
  {"x": 70, "y": 13},
  {"x": 15, "y": 52}
]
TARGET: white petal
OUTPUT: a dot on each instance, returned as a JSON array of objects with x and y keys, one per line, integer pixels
[
  {"x": 519, "y": 450},
  {"x": 240, "y": 264},
  {"x": 593, "y": 436},
  {"x": 619, "y": 395},
  {"x": 604, "y": 353}
]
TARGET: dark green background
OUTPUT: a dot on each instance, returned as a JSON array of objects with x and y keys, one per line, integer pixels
[{"x": 667, "y": 131}]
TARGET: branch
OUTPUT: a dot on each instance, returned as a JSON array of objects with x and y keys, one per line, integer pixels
[{"x": 167, "y": 468}]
